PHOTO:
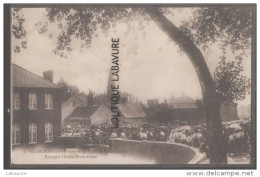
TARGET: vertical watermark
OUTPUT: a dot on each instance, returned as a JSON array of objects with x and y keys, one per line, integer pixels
[{"x": 114, "y": 90}]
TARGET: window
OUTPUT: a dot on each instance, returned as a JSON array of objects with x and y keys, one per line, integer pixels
[
  {"x": 16, "y": 101},
  {"x": 32, "y": 133},
  {"x": 48, "y": 132},
  {"x": 48, "y": 101},
  {"x": 32, "y": 101},
  {"x": 16, "y": 134}
]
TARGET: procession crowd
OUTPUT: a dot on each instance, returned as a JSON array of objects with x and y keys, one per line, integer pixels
[{"x": 237, "y": 134}]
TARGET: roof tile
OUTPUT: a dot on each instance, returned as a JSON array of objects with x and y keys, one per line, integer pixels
[{"x": 24, "y": 78}]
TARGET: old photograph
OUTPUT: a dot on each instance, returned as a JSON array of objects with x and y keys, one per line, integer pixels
[{"x": 114, "y": 84}]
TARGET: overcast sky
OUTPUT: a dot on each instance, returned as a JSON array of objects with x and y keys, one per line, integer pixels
[{"x": 156, "y": 70}]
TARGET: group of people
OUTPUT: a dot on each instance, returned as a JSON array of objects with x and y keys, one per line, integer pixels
[
  {"x": 237, "y": 135},
  {"x": 190, "y": 135},
  {"x": 145, "y": 132},
  {"x": 99, "y": 134}
]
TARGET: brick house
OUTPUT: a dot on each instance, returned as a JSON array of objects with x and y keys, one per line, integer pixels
[{"x": 36, "y": 107}]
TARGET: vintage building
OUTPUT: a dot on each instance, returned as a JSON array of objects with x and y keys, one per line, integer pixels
[
  {"x": 102, "y": 115},
  {"x": 132, "y": 113},
  {"x": 186, "y": 109},
  {"x": 70, "y": 105},
  {"x": 36, "y": 107},
  {"x": 80, "y": 117}
]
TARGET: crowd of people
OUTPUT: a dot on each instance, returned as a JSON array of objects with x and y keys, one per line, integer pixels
[
  {"x": 237, "y": 137},
  {"x": 98, "y": 135},
  {"x": 237, "y": 134}
]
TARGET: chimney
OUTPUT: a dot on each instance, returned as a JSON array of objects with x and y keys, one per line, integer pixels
[{"x": 48, "y": 75}]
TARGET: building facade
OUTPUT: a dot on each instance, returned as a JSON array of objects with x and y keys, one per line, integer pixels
[
  {"x": 70, "y": 105},
  {"x": 36, "y": 108}
]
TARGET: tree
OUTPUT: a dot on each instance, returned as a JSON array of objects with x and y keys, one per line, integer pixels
[
  {"x": 68, "y": 90},
  {"x": 231, "y": 86},
  {"x": 228, "y": 26},
  {"x": 18, "y": 31},
  {"x": 65, "y": 89},
  {"x": 159, "y": 112}
]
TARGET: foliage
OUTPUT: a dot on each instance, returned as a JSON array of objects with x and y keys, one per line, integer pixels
[
  {"x": 160, "y": 112},
  {"x": 227, "y": 26},
  {"x": 18, "y": 31},
  {"x": 68, "y": 90},
  {"x": 82, "y": 23},
  {"x": 230, "y": 84}
]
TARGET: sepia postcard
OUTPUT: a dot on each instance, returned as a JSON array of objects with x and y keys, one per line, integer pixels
[{"x": 130, "y": 86}]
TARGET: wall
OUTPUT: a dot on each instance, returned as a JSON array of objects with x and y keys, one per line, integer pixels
[
  {"x": 160, "y": 152},
  {"x": 41, "y": 115},
  {"x": 69, "y": 142}
]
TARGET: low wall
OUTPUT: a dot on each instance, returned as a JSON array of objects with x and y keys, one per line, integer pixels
[
  {"x": 160, "y": 152},
  {"x": 69, "y": 141}
]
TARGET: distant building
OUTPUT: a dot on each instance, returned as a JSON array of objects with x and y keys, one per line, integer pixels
[
  {"x": 81, "y": 116},
  {"x": 70, "y": 105},
  {"x": 183, "y": 102},
  {"x": 152, "y": 102},
  {"x": 36, "y": 107},
  {"x": 132, "y": 113},
  {"x": 186, "y": 109},
  {"x": 102, "y": 115},
  {"x": 97, "y": 115}
]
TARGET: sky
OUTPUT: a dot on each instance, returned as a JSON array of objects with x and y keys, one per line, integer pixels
[{"x": 151, "y": 66}]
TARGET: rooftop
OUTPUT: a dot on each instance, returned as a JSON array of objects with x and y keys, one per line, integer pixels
[
  {"x": 183, "y": 102},
  {"x": 183, "y": 99},
  {"x": 23, "y": 78},
  {"x": 132, "y": 110},
  {"x": 86, "y": 112},
  {"x": 76, "y": 98}
]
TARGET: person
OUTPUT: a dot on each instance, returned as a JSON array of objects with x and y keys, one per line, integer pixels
[
  {"x": 113, "y": 135},
  {"x": 149, "y": 136},
  {"x": 232, "y": 149},
  {"x": 204, "y": 148},
  {"x": 122, "y": 135}
]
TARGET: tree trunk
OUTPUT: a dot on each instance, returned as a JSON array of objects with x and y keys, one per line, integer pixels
[{"x": 216, "y": 141}]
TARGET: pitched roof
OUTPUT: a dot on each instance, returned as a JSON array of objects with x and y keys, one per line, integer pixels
[
  {"x": 80, "y": 100},
  {"x": 183, "y": 102},
  {"x": 183, "y": 99},
  {"x": 103, "y": 114},
  {"x": 24, "y": 78},
  {"x": 86, "y": 112},
  {"x": 132, "y": 110}
]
